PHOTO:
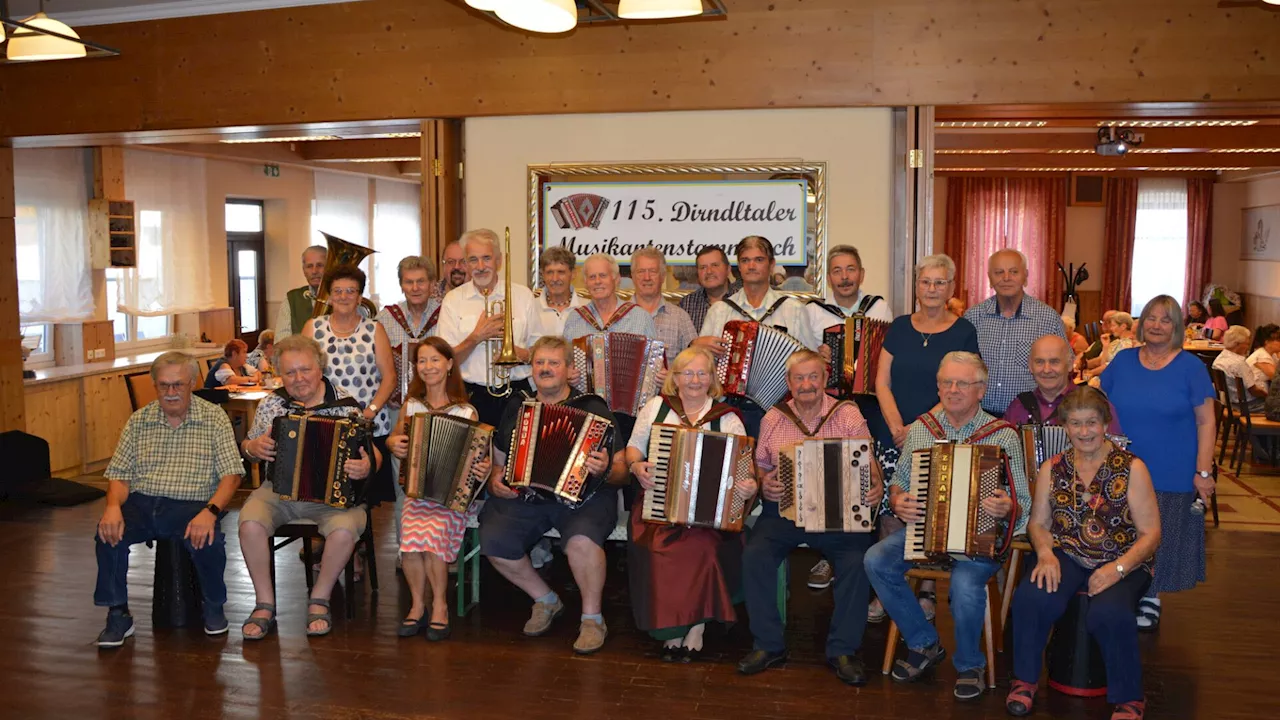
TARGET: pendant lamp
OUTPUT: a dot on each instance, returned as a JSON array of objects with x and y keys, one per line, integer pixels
[
  {"x": 659, "y": 9},
  {"x": 540, "y": 16},
  {"x": 486, "y": 5},
  {"x": 28, "y": 45}
]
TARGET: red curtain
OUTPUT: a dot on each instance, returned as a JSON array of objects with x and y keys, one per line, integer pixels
[
  {"x": 986, "y": 214},
  {"x": 1199, "y": 238},
  {"x": 1121, "y": 206}
]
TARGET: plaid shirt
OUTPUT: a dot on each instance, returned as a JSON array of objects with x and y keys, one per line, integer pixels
[
  {"x": 919, "y": 438},
  {"x": 1005, "y": 344},
  {"x": 180, "y": 463},
  {"x": 636, "y": 321},
  {"x": 697, "y": 303},
  {"x": 675, "y": 329},
  {"x": 778, "y": 432}
]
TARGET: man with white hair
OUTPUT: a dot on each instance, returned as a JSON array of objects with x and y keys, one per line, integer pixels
[
  {"x": 1051, "y": 362},
  {"x": 300, "y": 302},
  {"x": 467, "y": 326},
  {"x": 1235, "y": 345},
  {"x": 675, "y": 327},
  {"x": 1008, "y": 322},
  {"x": 962, "y": 380}
]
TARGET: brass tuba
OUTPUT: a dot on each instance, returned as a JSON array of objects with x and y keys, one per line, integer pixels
[
  {"x": 499, "y": 364},
  {"x": 341, "y": 252}
]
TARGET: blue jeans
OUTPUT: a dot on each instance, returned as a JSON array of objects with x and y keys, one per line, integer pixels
[
  {"x": 967, "y": 600},
  {"x": 156, "y": 518},
  {"x": 768, "y": 545}
]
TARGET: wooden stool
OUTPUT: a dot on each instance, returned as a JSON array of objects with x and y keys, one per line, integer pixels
[
  {"x": 1075, "y": 661},
  {"x": 176, "y": 601},
  {"x": 914, "y": 577},
  {"x": 1020, "y": 545}
]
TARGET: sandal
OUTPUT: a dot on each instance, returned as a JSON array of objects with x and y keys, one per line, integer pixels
[
  {"x": 1133, "y": 710},
  {"x": 1148, "y": 615},
  {"x": 918, "y": 662},
  {"x": 267, "y": 625},
  {"x": 326, "y": 616},
  {"x": 930, "y": 597},
  {"x": 1021, "y": 699},
  {"x": 411, "y": 626}
]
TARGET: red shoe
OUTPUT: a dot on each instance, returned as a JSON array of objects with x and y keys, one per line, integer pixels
[
  {"x": 1130, "y": 711},
  {"x": 1022, "y": 696}
]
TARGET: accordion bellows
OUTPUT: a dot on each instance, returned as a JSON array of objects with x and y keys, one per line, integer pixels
[
  {"x": 693, "y": 474},
  {"x": 855, "y": 355},
  {"x": 311, "y": 452},
  {"x": 443, "y": 451},
  {"x": 754, "y": 363},
  {"x": 825, "y": 484},
  {"x": 549, "y": 449},
  {"x": 950, "y": 481},
  {"x": 620, "y": 367}
]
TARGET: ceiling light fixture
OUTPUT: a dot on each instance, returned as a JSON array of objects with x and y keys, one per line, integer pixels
[
  {"x": 991, "y": 123},
  {"x": 299, "y": 138},
  {"x": 485, "y": 5},
  {"x": 1248, "y": 150},
  {"x": 1177, "y": 123},
  {"x": 972, "y": 151},
  {"x": 540, "y": 16},
  {"x": 42, "y": 38},
  {"x": 415, "y": 158},
  {"x": 660, "y": 9}
]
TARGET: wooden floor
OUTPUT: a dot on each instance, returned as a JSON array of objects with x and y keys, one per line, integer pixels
[{"x": 1214, "y": 657}]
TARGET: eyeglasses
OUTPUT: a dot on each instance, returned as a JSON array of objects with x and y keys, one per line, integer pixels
[
  {"x": 172, "y": 387},
  {"x": 694, "y": 374},
  {"x": 934, "y": 284},
  {"x": 961, "y": 385},
  {"x": 343, "y": 291}
]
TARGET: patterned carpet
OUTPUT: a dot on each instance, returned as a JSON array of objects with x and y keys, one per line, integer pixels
[{"x": 1249, "y": 500}]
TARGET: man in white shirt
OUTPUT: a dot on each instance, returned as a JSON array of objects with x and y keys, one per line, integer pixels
[
  {"x": 845, "y": 295},
  {"x": 1231, "y": 361},
  {"x": 465, "y": 325},
  {"x": 557, "y": 299}
]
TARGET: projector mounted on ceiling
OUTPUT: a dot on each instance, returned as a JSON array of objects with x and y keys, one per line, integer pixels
[{"x": 1115, "y": 141}]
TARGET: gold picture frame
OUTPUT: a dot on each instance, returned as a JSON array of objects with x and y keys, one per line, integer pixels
[{"x": 813, "y": 276}]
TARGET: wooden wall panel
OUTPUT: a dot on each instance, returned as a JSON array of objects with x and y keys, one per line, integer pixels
[
  {"x": 413, "y": 59},
  {"x": 11, "y": 403},
  {"x": 1260, "y": 310},
  {"x": 106, "y": 410},
  {"x": 53, "y": 413}
]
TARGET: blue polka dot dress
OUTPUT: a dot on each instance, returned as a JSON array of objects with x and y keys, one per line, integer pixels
[{"x": 353, "y": 366}]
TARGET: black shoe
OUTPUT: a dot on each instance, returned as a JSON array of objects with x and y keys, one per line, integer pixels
[
  {"x": 410, "y": 627},
  {"x": 849, "y": 669},
  {"x": 438, "y": 631},
  {"x": 757, "y": 661},
  {"x": 690, "y": 655},
  {"x": 672, "y": 653},
  {"x": 119, "y": 627}
]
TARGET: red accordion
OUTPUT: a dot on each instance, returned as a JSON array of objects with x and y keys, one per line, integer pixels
[
  {"x": 754, "y": 363},
  {"x": 549, "y": 449},
  {"x": 855, "y": 355},
  {"x": 578, "y": 211},
  {"x": 622, "y": 368}
]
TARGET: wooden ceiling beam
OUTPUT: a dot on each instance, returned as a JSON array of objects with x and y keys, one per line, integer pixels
[
  {"x": 360, "y": 149},
  {"x": 1256, "y": 136},
  {"x": 1131, "y": 161}
]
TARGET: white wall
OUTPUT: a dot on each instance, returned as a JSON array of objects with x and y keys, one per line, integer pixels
[{"x": 856, "y": 144}]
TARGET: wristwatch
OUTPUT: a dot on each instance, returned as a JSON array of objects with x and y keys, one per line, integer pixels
[
  {"x": 213, "y": 509},
  {"x": 1120, "y": 569},
  {"x": 373, "y": 407},
  {"x": 1204, "y": 474}
]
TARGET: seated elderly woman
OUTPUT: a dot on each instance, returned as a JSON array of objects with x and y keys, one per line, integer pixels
[
  {"x": 261, "y": 356},
  {"x": 1232, "y": 362},
  {"x": 1265, "y": 357},
  {"x": 1120, "y": 328},
  {"x": 1078, "y": 342},
  {"x": 1095, "y": 527},
  {"x": 232, "y": 368}
]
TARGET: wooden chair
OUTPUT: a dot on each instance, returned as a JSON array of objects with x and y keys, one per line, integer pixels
[
  {"x": 1223, "y": 414},
  {"x": 141, "y": 390},
  {"x": 989, "y": 630},
  {"x": 1250, "y": 428},
  {"x": 1021, "y": 544},
  {"x": 306, "y": 531}
]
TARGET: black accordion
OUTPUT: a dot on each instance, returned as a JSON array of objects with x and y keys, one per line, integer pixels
[
  {"x": 694, "y": 472},
  {"x": 825, "y": 485},
  {"x": 754, "y": 363},
  {"x": 311, "y": 452},
  {"x": 443, "y": 451},
  {"x": 549, "y": 449},
  {"x": 620, "y": 367},
  {"x": 855, "y": 355}
]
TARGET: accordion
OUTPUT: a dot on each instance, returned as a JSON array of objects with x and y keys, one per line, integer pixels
[
  {"x": 950, "y": 481},
  {"x": 579, "y": 210},
  {"x": 693, "y": 476},
  {"x": 1041, "y": 442},
  {"x": 825, "y": 484},
  {"x": 402, "y": 356},
  {"x": 754, "y": 363},
  {"x": 549, "y": 449},
  {"x": 310, "y": 454},
  {"x": 855, "y": 355},
  {"x": 443, "y": 450},
  {"x": 622, "y": 368}
]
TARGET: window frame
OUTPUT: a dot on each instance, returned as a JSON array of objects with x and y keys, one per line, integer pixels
[
  {"x": 44, "y": 358},
  {"x": 131, "y": 344}
]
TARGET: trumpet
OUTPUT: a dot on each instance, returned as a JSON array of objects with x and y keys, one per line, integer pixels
[{"x": 500, "y": 363}]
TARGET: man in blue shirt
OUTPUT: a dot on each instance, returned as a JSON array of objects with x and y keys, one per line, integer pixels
[{"x": 1008, "y": 322}]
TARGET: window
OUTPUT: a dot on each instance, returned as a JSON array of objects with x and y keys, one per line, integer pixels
[
  {"x": 396, "y": 235},
  {"x": 244, "y": 216},
  {"x": 38, "y": 339},
  {"x": 51, "y": 241},
  {"x": 132, "y": 331},
  {"x": 1160, "y": 241}
]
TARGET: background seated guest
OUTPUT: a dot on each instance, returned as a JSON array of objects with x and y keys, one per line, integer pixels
[
  {"x": 1050, "y": 366},
  {"x": 1105, "y": 335},
  {"x": 1121, "y": 330},
  {"x": 174, "y": 470},
  {"x": 962, "y": 381},
  {"x": 682, "y": 577},
  {"x": 810, "y": 412},
  {"x": 232, "y": 368},
  {"x": 715, "y": 282},
  {"x": 1078, "y": 342},
  {"x": 431, "y": 533},
  {"x": 1216, "y": 325},
  {"x": 511, "y": 524},
  {"x": 261, "y": 356},
  {"x": 1266, "y": 351},
  {"x": 557, "y": 298},
  {"x": 1197, "y": 315},
  {"x": 1231, "y": 361},
  {"x": 1094, "y": 484},
  {"x": 301, "y": 361}
]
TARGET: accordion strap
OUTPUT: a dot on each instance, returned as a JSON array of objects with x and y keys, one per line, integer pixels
[
  {"x": 398, "y": 314},
  {"x": 585, "y": 312},
  {"x": 1028, "y": 400},
  {"x": 867, "y": 302},
  {"x": 717, "y": 411},
  {"x": 935, "y": 429},
  {"x": 772, "y": 308},
  {"x": 829, "y": 307},
  {"x": 791, "y": 415},
  {"x": 346, "y": 402}
]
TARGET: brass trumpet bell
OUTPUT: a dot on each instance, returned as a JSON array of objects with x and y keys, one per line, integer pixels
[{"x": 341, "y": 253}]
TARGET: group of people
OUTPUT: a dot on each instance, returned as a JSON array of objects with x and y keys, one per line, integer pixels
[{"x": 1098, "y": 515}]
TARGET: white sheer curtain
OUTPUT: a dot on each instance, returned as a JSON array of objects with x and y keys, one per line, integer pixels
[
  {"x": 1160, "y": 240},
  {"x": 396, "y": 234},
  {"x": 342, "y": 210},
  {"x": 172, "y": 275},
  {"x": 51, "y": 191}
]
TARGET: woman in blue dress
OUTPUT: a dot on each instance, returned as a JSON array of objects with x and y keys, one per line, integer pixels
[{"x": 1164, "y": 398}]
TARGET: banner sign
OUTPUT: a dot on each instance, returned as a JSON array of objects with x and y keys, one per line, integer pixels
[
  {"x": 677, "y": 217},
  {"x": 1261, "y": 230}
]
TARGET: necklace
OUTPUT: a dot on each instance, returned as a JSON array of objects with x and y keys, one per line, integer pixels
[
  {"x": 925, "y": 338},
  {"x": 1153, "y": 361}
]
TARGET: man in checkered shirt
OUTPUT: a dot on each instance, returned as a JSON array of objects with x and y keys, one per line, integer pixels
[
  {"x": 174, "y": 470},
  {"x": 773, "y": 537},
  {"x": 1008, "y": 323}
]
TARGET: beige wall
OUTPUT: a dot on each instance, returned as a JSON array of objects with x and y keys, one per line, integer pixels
[
  {"x": 1229, "y": 201},
  {"x": 856, "y": 144}
]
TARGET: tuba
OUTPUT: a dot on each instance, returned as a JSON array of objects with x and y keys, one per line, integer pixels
[
  {"x": 341, "y": 253},
  {"x": 499, "y": 364}
]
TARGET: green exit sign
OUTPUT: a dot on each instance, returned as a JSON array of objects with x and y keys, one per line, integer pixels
[{"x": 271, "y": 170}]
